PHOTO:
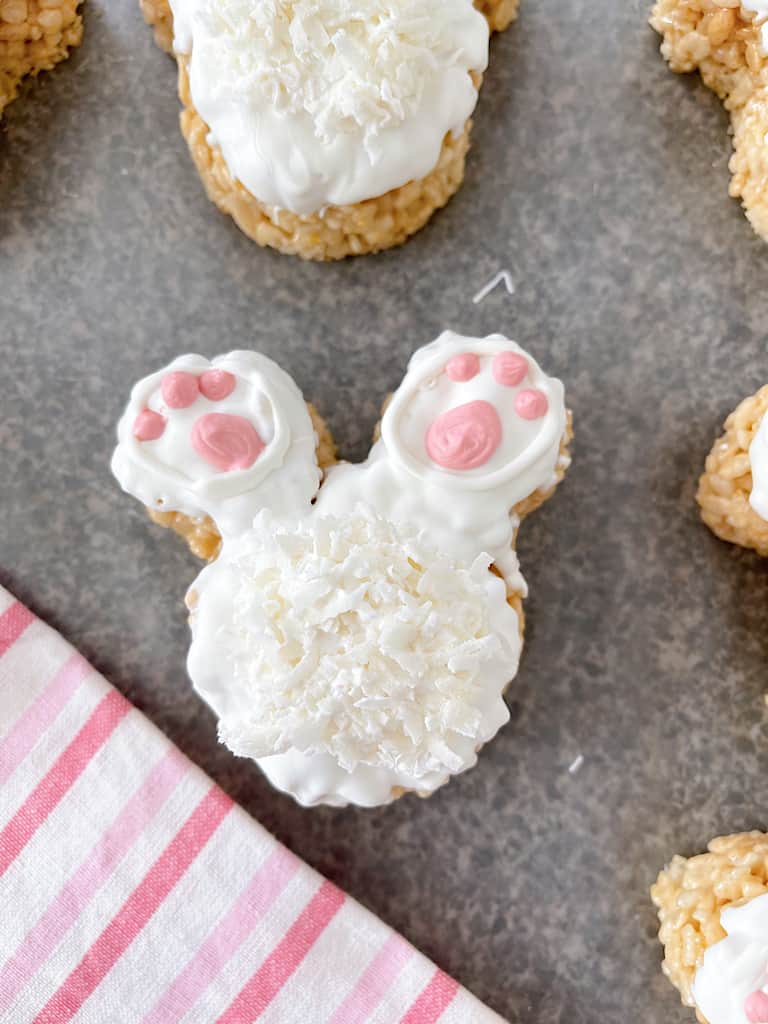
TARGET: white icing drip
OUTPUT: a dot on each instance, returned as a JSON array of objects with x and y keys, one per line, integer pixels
[
  {"x": 167, "y": 473},
  {"x": 330, "y": 102},
  {"x": 736, "y": 966},
  {"x": 463, "y": 513},
  {"x": 356, "y": 645},
  {"x": 758, "y": 459}
]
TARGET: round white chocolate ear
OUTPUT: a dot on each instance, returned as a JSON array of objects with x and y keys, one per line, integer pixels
[
  {"x": 476, "y": 414},
  {"x": 225, "y": 438},
  {"x": 758, "y": 460}
]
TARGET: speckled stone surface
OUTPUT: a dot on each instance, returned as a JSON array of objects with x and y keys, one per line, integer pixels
[{"x": 599, "y": 179}]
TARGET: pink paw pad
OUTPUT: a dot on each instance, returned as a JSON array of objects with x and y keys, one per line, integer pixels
[
  {"x": 463, "y": 367},
  {"x": 226, "y": 442},
  {"x": 531, "y": 405},
  {"x": 465, "y": 437},
  {"x": 509, "y": 369},
  {"x": 179, "y": 389},
  {"x": 756, "y": 1007},
  {"x": 216, "y": 385},
  {"x": 148, "y": 425}
]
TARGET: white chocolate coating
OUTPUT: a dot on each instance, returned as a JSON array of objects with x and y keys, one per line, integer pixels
[
  {"x": 758, "y": 460},
  {"x": 330, "y": 102},
  {"x": 735, "y": 967},
  {"x": 169, "y": 475},
  {"x": 464, "y": 512},
  {"x": 349, "y": 658}
]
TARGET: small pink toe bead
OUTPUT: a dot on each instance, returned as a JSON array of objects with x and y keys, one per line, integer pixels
[
  {"x": 179, "y": 389},
  {"x": 462, "y": 368},
  {"x": 531, "y": 405},
  {"x": 216, "y": 385},
  {"x": 509, "y": 369},
  {"x": 148, "y": 425},
  {"x": 226, "y": 442},
  {"x": 756, "y": 1008}
]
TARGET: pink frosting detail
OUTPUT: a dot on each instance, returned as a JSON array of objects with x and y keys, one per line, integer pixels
[
  {"x": 756, "y": 1007},
  {"x": 148, "y": 425},
  {"x": 531, "y": 405},
  {"x": 509, "y": 369},
  {"x": 465, "y": 437},
  {"x": 217, "y": 385},
  {"x": 179, "y": 388},
  {"x": 462, "y": 368},
  {"x": 226, "y": 442}
]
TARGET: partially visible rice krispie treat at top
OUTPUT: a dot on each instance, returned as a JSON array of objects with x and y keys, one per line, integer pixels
[
  {"x": 733, "y": 490},
  {"x": 325, "y": 129},
  {"x": 207, "y": 444},
  {"x": 34, "y": 36},
  {"x": 498, "y": 13},
  {"x": 713, "y": 910},
  {"x": 727, "y": 41}
]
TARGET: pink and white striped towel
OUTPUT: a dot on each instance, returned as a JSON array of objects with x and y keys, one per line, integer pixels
[{"x": 133, "y": 891}]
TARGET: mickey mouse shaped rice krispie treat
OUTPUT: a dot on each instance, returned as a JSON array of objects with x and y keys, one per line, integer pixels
[
  {"x": 328, "y": 128},
  {"x": 355, "y": 636},
  {"x": 34, "y": 36},
  {"x": 727, "y": 41},
  {"x": 713, "y": 910},
  {"x": 733, "y": 490}
]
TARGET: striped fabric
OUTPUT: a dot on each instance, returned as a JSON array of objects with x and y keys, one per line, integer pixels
[{"x": 133, "y": 891}]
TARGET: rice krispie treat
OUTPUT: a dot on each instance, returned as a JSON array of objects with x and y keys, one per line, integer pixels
[
  {"x": 713, "y": 910},
  {"x": 354, "y": 638},
  {"x": 34, "y": 36},
  {"x": 323, "y": 131},
  {"x": 733, "y": 490},
  {"x": 727, "y": 42},
  {"x": 200, "y": 440}
]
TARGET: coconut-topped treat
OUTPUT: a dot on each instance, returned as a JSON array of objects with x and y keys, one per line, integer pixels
[
  {"x": 354, "y": 633},
  {"x": 327, "y": 127},
  {"x": 733, "y": 490},
  {"x": 207, "y": 444},
  {"x": 351, "y": 657},
  {"x": 34, "y": 36},
  {"x": 360, "y": 649},
  {"x": 713, "y": 910}
]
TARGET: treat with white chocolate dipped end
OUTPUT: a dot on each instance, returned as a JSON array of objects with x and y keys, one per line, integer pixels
[
  {"x": 207, "y": 444},
  {"x": 733, "y": 490},
  {"x": 361, "y": 650},
  {"x": 713, "y": 910},
  {"x": 327, "y": 129}
]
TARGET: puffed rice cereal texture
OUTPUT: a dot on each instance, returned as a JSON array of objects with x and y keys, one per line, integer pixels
[
  {"x": 34, "y": 35},
  {"x": 726, "y": 483},
  {"x": 720, "y": 39},
  {"x": 690, "y": 894}
]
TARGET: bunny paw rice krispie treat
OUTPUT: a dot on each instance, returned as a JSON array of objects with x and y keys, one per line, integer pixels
[
  {"x": 727, "y": 41},
  {"x": 733, "y": 490},
  {"x": 713, "y": 910},
  {"x": 355, "y": 638},
  {"x": 206, "y": 444},
  {"x": 328, "y": 128},
  {"x": 34, "y": 35}
]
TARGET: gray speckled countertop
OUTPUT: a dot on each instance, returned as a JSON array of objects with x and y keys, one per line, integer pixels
[{"x": 599, "y": 179}]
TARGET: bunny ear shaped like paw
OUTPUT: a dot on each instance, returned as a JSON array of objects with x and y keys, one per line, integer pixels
[{"x": 216, "y": 442}]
